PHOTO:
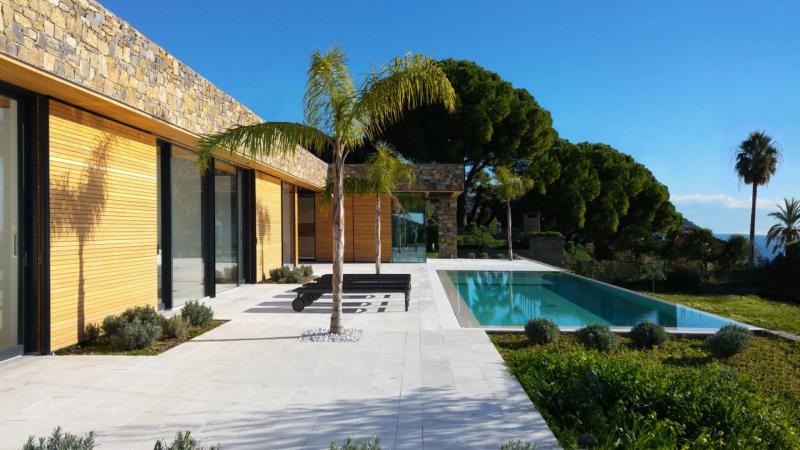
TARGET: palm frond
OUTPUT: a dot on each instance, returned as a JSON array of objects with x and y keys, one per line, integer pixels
[
  {"x": 404, "y": 83},
  {"x": 261, "y": 139},
  {"x": 757, "y": 158},
  {"x": 787, "y": 230},
  {"x": 386, "y": 172},
  {"x": 330, "y": 95},
  {"x": 509, "y": 185}
]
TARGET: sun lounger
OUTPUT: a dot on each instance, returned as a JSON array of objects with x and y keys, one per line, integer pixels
[{"x": 353, "y": 284}]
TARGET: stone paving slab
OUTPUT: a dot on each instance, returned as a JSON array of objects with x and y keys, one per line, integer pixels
[{"x": 415, "y": 380}]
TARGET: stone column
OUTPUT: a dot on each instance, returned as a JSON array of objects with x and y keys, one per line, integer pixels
[{"x": 446, "y": 209}]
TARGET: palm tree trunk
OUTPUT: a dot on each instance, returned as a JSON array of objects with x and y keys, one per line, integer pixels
[
  {"x": 338, "y": 237},
  {"x": 378, "y": 234},
  {"x": 508, "y": 230},
  {"x": 753, "y": 225}
]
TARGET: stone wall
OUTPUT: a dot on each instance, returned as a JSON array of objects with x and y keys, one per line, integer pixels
[
  {"x": 547, "y": 249},
  {"x": 427, "y": 177},
  {"x": 448, "y": 230},
  {"x": 84, "y": 43}
]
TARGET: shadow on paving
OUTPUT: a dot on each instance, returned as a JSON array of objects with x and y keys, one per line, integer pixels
[{"x": 425, "y": 418}]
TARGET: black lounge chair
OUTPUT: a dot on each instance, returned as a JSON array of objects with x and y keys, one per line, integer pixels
[{"x": 368, "y": 283}]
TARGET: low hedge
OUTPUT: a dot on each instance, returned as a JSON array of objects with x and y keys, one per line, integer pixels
[{"x": 623, "y": 401}]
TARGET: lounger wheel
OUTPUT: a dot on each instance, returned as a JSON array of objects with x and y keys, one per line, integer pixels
[{"x": 298, "y": 304}]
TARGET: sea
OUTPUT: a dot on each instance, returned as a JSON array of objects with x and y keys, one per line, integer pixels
[{"x": 761, "y": 244}]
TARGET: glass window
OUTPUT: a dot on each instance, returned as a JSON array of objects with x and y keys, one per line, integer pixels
[
  {"x": 226, "y": 226},
  {"x": 287, "y": 223},
  {"x": 408, "y": 229},
  {"x": 306, "y": 219},
  {"x": 187, "y": 230},
  {"x": 9, "y": 241}
]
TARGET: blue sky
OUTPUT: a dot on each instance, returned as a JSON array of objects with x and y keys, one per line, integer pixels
[{"x": 675, "y": 84}]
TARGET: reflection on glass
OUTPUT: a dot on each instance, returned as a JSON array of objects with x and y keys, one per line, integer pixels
[
  {"x": 408, "y": 229},
  {"x": 287, "y": 223},
  {"x": 187, "y": 231},
  {"x": 159, "y": 250},
  {"x": 306, "y": 228},
  {"x": 9, "y": 264},
  {"x": 226, "y": 228}
]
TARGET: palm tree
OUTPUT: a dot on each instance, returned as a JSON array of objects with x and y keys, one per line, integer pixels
[
  {"x": 787, "y": 230},
  {"x": 340, "y": 116},
  {"x": 756, "y": 161},
  {"x": 385, "y": 172},
  {"x": 509, "y": 186}
]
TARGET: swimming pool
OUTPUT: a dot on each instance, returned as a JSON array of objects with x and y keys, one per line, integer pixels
[{"x": 508, "y": 298}]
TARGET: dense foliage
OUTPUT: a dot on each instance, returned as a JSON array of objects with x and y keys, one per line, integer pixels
[
  {"x": 728, "y": 341},
  {"x": 783, "y": 276},
  {"x": 136, "y": 328},
  {"x": 648, "y": 399},
  {"x": 59, "y": 440},
  {"x": 286, "y": 274},
  {"x": 197, "y": 313},
  {"x": 648, "y": 335},
  {"x": 598, "y": 337}
]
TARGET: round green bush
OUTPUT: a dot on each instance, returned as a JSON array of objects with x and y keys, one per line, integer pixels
[
  {"x": 135, "y": 335},
  {"x": 144, "y": 314},
  {"x": 648, "y": 335},
  {"x": 728, "y": 341},
  {"x": 176, "y": 327},
  {"x": 197, "y": 314},
  {"x": 598, "y": 337},
  {"x": 541, "y": 331}
]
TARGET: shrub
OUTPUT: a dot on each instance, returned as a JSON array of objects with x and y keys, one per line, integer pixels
[
  {"x": 624, "y": 401},
  {"x": 136, "y": 328},
  {"x": 684, "y": 275},
  {"x": 90, "y": 333},
  {"x": 598, "y": 337},
  {"x": 183, "y": 441},
  {"x": 484, "y": 255},
  {"x": 134, "y": 335},
  {"x": 541, "y": 331},
  {"x": 352, "y": 444},
  {"x": 280, "y": 273},
  {"x": 294, "y": 277},
  {"x": 198, "y": 314},
  {"x": 648, "y": 335},
  {"x": 306, "y": 271},
  {"x": 176, "y": 327},
  {"x": 728, "y": 341},
  {"x": 61, "y": 441}
]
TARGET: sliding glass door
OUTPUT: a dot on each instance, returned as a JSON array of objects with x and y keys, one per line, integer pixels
[
  {"x": 226, "y": 226},
  {"x": 188, "y": 268},
  {"x": 408, "y": 229},
  {"x": 9, "y": 228}
]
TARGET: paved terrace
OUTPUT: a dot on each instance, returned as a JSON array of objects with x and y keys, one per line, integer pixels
[{"x": 416, "y": 379}]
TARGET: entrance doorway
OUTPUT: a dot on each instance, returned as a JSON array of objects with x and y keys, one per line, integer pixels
[{"x": 10, "y": 242}]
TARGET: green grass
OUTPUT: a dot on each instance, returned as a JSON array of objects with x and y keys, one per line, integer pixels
[
  {"x": 101, "y": 346},
  {"x": 772, "y": 364},
  {"x": 749, "y": 309}
]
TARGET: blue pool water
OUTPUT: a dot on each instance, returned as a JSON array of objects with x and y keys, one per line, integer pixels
[{"x": 512, "y": 298}]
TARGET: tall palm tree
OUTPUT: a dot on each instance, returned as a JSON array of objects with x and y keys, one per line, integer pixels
[
  {"x": 756, "y": 161},
  {"x": 787, "y": 230},
  {"x": 340, "y": 116},
  {"x": 385, "y": 173},
  {"x": 510, "y": 186}
]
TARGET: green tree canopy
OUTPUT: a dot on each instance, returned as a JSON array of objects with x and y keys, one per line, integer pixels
[
  {"x": 493, "y": 124},
  {"x": 600, "y": 192}
]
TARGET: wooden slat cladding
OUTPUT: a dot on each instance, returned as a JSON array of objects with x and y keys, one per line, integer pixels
[
  {"x": 268, "y": 225},
  {"x": 359, "y": 229},
  {"x": 103, "y": 220}
]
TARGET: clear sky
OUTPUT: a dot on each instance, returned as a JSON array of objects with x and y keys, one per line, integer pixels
[{"x": 676, "y": 84}]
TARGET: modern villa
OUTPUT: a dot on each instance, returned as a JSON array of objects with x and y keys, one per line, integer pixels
[{"x": 104, "y": 208}]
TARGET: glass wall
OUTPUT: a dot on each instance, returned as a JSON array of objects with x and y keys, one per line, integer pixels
[
  {"x": 226, "y": 227},
  {"x": 408, "y": 229},
  {"x": 187, "y": 230},
  {"x": 287, "y": 223},
  {"x": 9, "y": 242},
  {"x": 306, "y": 226}
]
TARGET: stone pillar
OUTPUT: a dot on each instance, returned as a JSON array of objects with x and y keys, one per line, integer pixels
[{"x": 446, "y": 210}]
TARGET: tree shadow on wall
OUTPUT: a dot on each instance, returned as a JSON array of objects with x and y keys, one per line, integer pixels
[
  {"x": 263, "y": 230},
  {"x": 76, "y": 209}
]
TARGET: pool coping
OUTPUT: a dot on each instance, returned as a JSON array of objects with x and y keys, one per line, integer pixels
[{"x": 469, "y": 320}]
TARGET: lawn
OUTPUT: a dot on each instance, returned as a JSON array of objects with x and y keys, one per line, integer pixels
[
  {"x": 667, "y": 397},
  {"x": 750, "y": 309}
]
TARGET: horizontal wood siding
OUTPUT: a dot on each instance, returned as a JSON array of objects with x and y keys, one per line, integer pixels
[
  {"x": 268, "y": 225},
  {"x": 103, "y": 220},
  {"x": 359, "y": 229}
]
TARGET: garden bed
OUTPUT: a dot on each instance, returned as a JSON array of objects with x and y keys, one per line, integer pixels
[
  {"x": 102, "y": 346},
  {"x": 670, "y": 396}
]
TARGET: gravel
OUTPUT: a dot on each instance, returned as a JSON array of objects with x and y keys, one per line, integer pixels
[{"x": 322, "y": 335}]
